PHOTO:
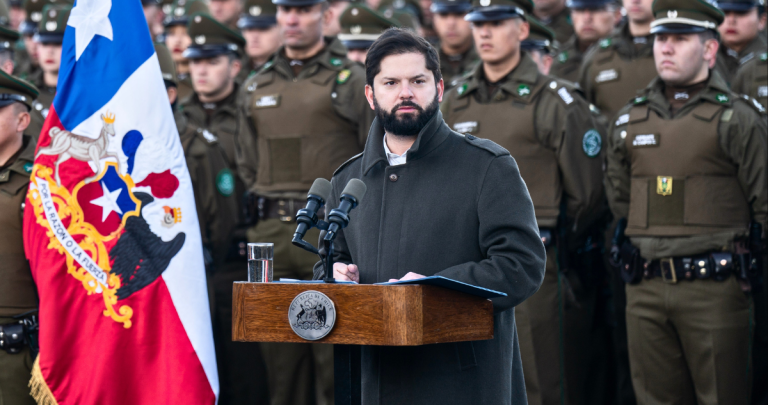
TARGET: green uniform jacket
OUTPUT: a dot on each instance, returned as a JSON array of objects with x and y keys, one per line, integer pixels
[
  {"x": 300, "y": 128},
  {"x": 18, "y": 293},
  {"x": 454, "y": 67},
  {"x": 550, "y": 131},
  {"x": 613, "y": 71},
  {"x": 741, "y": 135},
  {"x": 568, "y": 61},
  {"x": 728, "y": 60},
  {"x": 45, "y": 98},
  {"x": 752, "y": 79}
]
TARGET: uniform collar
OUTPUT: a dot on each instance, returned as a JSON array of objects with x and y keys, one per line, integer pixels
[
  {"x": 228, "y": 104},
  {"x": 624, "y": 43},
  {"x": 430, "y": 137},
  {"x": 715, "y": 92},
  {"x": 752, "y": 50},
  {"x": 330, "y": 57},
  {"x": 22, "y": 163},
  {"x": 526, "y": 72}
]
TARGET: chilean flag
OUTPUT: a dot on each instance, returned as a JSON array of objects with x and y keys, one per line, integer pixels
[{"x": 110, "y": 228}]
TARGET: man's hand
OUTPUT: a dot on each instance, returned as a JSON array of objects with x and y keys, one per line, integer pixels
[
  {"x": 346, "y": 272},
  {"x": 409, "y": 276}
]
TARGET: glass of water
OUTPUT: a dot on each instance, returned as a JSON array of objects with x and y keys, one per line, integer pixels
[{"x": 260, "y": 262}]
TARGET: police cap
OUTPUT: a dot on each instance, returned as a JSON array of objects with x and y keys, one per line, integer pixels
[
  {"x": 167, "y": 67},
  {"x": 296, "y": 3},
  {"x": 741, "y": 5},
  {"x": 34, "y": 10},
  {"x": 495, "y": 10},
  {"x": 211, "y": 38},
  {"x": 7, "y": 35},
  {"x": 180, "y": 10},
  {"x": 51, "y": 28},
  {"x": 13, "y": 89},
  {"x": 540, "y": 38},
  {"x": 257, "y": 14},
  {"x": 361, "y": 26},
  {"x": 450, "y": 6},
  {"x": 588, "y": 4},
  {"x": 685, "y": 16}
]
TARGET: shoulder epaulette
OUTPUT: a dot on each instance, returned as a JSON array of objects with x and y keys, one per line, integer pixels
[
  {"x": 754, "y": 104},
  {"x": 486, "y": 144},
  {"x": 564, "y": 90},
  {"x": 347, "y": 163}
]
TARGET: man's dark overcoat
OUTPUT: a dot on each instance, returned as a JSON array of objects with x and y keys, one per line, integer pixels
[{"x": 458, "y": 208}]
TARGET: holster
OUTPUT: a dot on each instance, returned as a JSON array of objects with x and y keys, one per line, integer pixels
[
  {"x": 12, "y": 337},
  {"x": 630, "y": 263}
]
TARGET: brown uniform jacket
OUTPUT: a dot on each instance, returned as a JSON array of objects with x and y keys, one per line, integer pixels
[
  {"x": 568, "y": 61},
  {"x": 548, "y": 128},
  {"x": 454, "y": 67},
  {"x": 300, "y": 128},
  {"x": 18, "y": 293},
  {"x": 184, "y": 86},
  {"x": 615, "y": 69},
  {"x": 711, "y": 193},
  {"x": 752, "y": 79},
  {"x": 728, "y": 60}
]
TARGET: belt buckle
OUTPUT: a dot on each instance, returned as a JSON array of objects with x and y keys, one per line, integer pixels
[
  {"x": 668, "y": 274},
  {"x": 283, "y": 214}
]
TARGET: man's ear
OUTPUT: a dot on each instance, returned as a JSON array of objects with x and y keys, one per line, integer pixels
[
  {"x": 440, "y": 90},
  {"x": 173, "y": 92},
  {"x": 369, "y": 96},
  {"x": 710, "y": 51},
  {"x": 524, "y": 30},
  {"x": 237, "y": 64},
  {"x": 22, "y": 122}
]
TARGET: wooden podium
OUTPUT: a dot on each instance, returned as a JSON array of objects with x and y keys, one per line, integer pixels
[{"x": 380, "y": 315}]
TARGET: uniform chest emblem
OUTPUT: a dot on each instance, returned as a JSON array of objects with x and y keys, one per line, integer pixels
[
  {"x": 664, "y": 185},
  {"x": 722, "y": 98},
  {"x": 523, "y": 90},
  {"x": 465, "y": 127},
  {"x": 225, "y": 182},
  {"x": 607, "y": 76},
  {"x": 269, "y": 101},
  {"x": 592, "y": 143},
  {"x": 343, "y": 76},
  {"x": 645, "y": 140}
]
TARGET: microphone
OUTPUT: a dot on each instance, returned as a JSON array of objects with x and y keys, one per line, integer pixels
[
  {"x": 338, "y": 218},
  {"x": 307, "y": 217}
]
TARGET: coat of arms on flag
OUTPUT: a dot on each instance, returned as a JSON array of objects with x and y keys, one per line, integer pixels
[{"x": 119, "y": 270}]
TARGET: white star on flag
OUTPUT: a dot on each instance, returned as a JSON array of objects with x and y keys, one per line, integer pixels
[
  {"x": 90, "y": 18},
  {"x": 108, "y": 202}
]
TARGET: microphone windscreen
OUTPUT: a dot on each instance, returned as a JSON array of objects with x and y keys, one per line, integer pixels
[
  {"x": 356, "y": 188},
  {"x": 321, "y": 188}
]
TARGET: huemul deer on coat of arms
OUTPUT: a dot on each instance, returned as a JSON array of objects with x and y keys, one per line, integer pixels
[{"x": 68, "y": 145}]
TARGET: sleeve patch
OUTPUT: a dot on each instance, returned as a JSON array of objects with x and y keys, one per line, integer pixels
[{"x": 592, "y": 143}]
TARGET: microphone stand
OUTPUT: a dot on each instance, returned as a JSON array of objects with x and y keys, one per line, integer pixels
[{"x": 327, "y": 259}]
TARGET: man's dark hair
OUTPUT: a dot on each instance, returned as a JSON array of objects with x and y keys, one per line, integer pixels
[
  {"x": 397, "y": 41},
  {"x": 707, "y": 35}
]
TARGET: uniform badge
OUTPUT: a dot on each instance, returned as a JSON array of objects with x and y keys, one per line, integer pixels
[
  {"x": 312, "y": 315},
  {"x": 645, "y": 140},
  {"x": 171, "y": 216},
  {"x": 28, "y": 167},
  {"x": 225, "y": 182},
  {"x": 343, "y": 76},
  {"x": 640, "y": 100},
  {"x": 664, "y": 185},
  {"x": 336, "y": 62},
  {"x": 200, "y": 39},
  {"x": 592, "y": 143},
  {"x": 269, "y": 101},
  {"x": 255, "y": 11},
  {"x": 722, "y": 98},
  {"x": 462, "y": 89},
  {"x": 607, "y": 76},
  {"x": 605, "y": 42},
  {"x": 563, "y": 57},
  {"x": 523, "y": 90}
]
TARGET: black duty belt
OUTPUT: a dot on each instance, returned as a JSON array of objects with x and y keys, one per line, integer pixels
[
  {"x": 718, "y": 266},
  {"x": 15, "y": 335},
  {"x": 284, "y": 209}
]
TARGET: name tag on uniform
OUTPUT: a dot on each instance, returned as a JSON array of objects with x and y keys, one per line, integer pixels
[
  {"x": 269, "y": 101},
  {"x": 607, "y": 76},
  {"x": 645, "y": 140},
  {"x": 762, "y": 91},
  {"x": 465, "y": 127}
]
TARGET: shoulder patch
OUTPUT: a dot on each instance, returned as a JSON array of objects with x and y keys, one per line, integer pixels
[
  {"x": 343, "y": 76},
  {"x": 348, "y": 162},
  {"x": 486, "y": 144},
  {"x": 592, "y": 143},
  {"x": 225, "y": 182}
]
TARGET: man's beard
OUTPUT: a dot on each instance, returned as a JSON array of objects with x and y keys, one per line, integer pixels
[{"x": 408, "y": 124}]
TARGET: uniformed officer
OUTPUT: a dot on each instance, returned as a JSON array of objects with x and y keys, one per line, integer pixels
[
  {"x": 539, "y": 44},
  {"x": 592, "y": 21},
  {"x": 739, "y": 35},
  {"x": 49, "y": 37},
  {"x": 153, "y": 15},
  {"x": 177, "y": 40},
  {"x": 556, "y": 16},
  {"x": 18, "y": 294},
  {"x": 27, "y": 64},
  {"x": 360, "y": 26},
  {"x": 8, "y": 38},
  {"x": 332, "y": 26},
  {"x": 456, "y": 49},
  {"x": 258, "y": 25},
  {"x": 241, "y": 367},
  {"x": 687, "y": 169},
  {"x": 621, "y": 64},
  {"x": 226, "y": 11},
  {"x": 306, "y": 114},
  {"x": 549, "y": 129},
  {"x": 17, "y": 14},
  {"x": 752, "y": 79}
]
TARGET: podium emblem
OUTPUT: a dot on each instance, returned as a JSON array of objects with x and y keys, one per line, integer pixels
[{"x": 312, "y": 315}]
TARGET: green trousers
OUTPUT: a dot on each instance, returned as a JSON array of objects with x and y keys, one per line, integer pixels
[
  {"x": 298, "y": 373},
  {"x": 689, "y": 342},
  {"x": 15, "y": 371}
]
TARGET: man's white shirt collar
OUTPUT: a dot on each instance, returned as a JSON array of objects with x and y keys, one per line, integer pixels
[{"x": 394, "y": 160}]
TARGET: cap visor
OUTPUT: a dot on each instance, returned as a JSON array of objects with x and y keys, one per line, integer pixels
[
  {"x": 245, "y": 23},
  {"x": 206, "y": 52},
  {"x": 49, "y": 38},
  {"x": 479, "y": 15},
  {"x": 296, "y": 3},
  {"x": 676, "y": 29},
  {"x": 736, "y": 6},
  {"x": 357, "y": 44},
  {"x": 442, "y": 8}
]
